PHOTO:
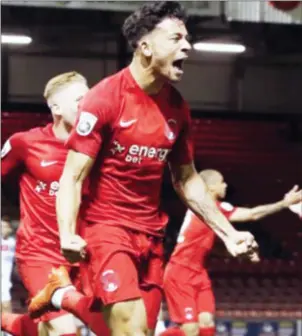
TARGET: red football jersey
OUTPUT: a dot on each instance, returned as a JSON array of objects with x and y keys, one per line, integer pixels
[
  {"x": 132, "y": 135},
  {"x": 40, "y": 157},
  {"x": 196, "y": 239}
]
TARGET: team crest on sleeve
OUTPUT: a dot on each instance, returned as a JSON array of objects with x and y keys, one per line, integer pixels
[
  {"x": 6, "y": 149},
  {"x": 86, "y": 123}
]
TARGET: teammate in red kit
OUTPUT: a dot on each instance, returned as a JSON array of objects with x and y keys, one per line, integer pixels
[
  {"x": 187, "y": 285},
  {"x": 40, "y": 155},
  {"x": 129, "y": 126}
]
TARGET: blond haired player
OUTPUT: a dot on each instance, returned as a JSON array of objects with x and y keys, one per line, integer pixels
[{"x": 39, "y": 155}]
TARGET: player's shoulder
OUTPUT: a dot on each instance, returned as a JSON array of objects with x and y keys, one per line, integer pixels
[
  {"x": 15, "y": 141},
  {"x": 36, "y": 133},
  {"x": 226, "y": 206}
]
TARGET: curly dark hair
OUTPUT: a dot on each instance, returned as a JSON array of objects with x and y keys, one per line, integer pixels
[{"x": 144, "y": 20}]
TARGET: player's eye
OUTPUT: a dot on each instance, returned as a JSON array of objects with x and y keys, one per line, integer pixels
[{"x": 176, "y": 38}]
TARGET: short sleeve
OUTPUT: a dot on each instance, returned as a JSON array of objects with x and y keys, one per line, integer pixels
[
  {"x": 93, "y": 117},
  {"x": 13, "y": 153},
  {"x": 182, "y": 151},
  {"x": 227, "y": 209}
]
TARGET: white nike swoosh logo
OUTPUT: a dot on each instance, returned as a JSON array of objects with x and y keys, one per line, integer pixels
[
  {"x": 126, "y": 124},
  {"x": 47, "y": 163}
]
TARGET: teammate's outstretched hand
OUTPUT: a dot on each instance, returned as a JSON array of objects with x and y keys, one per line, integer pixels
[
  {"x": 293, "y": 196},
  {"x": 242, "y": 243},
  {"x": 73, "y": 247}
]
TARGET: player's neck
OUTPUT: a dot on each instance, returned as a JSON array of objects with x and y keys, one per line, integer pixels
[
  {"x": 61, "y": 130},
  {"x": 145, "y": 77}
]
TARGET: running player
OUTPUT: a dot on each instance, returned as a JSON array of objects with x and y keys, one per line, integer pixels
[
  {"x": 129, "y": 126},
  {"x": 40, "y": 155},
  {"x": 187, "y": 285}
]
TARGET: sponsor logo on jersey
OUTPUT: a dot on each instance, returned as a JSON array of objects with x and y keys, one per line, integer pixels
[
  {"x": 136, "y": 153},
  {"x": 86, "y": 123},
  {"x": 52, "y": 188}
]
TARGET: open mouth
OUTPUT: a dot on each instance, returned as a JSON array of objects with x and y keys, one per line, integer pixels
[{"x": 178, "y": 64}]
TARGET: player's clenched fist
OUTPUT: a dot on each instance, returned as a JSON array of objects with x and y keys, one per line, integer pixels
[
  {"x": 73, "y": 247},
  {"x": 242, "y": 243}
]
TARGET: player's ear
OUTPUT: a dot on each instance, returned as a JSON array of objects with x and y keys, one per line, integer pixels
[{"x": 145, "y": 47}]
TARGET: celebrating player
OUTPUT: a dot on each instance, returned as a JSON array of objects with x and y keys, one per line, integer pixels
[
  {"x": 187, "y": 286},
  {"x": 129, "y": 126},
  {"x": 40, "y": 154}
]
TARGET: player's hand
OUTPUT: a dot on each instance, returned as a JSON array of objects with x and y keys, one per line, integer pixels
[
  {"x": 242, "y": 243},
  {"x": 73, "y": 247},
  {"x": 292, "y": 197}
]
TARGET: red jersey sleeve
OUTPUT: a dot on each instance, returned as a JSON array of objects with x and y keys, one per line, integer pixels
[
  {"x": 13, "y": 153},
  {"x": 94, "y": 116},
  {"x": 182, "y": 151},
  {"x": 227, "y": 209}
]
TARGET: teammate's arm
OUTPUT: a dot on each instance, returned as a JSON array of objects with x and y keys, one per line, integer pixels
[
  {"x": 256, "y": 213},
  {"x": 12, "y": 154},
  {"x": 193, "y": 191}
]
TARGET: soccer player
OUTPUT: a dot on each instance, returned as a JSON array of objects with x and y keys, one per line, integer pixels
[
  {"x": 8, "y": 243},
  {"x": 40, "y": 154},
  {"x": 187, "y": 285},
  {"x": 129, "y": 126}
]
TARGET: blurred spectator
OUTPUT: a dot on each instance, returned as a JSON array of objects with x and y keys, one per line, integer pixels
[{"x": 7, "y": 261}]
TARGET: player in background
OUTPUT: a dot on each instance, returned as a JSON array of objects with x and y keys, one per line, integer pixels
[
  {"x": 8, "y": 244},
  {"x": 129, "y": 126},
  {"x": 187, "y": 285},
  {"x": 39, "y": 155}
]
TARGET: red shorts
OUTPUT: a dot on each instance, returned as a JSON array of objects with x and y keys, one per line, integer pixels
[
  {"x": 124, "y": 265},
  {"x": 34, "y": 275},
  {"x": 188, "y": 293}
]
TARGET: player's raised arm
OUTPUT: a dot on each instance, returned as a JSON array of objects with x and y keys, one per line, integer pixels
[
  {"x": 13, "y": 153},
  {"x": 256, "y": 213}
]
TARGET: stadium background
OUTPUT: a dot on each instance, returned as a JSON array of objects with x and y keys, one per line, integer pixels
[{"x": 247, "y": 123}]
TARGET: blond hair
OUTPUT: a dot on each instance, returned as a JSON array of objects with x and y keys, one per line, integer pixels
[{"x": 61, "y": 80}]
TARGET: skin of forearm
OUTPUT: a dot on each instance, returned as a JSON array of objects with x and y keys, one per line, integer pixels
[
  {"x": 195, "y": 195},
  {"x": 261, "y": 211},
  {"x": 68, "y": 204}
]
